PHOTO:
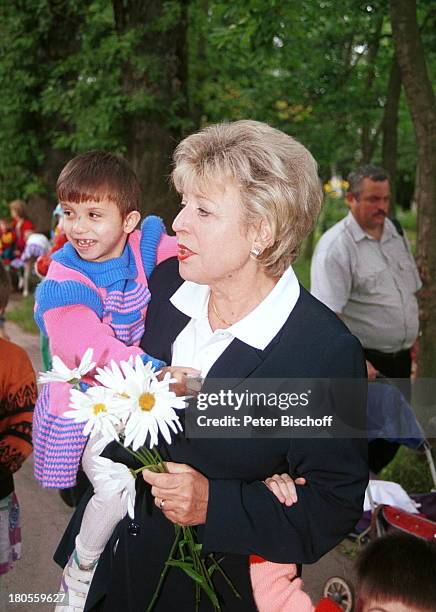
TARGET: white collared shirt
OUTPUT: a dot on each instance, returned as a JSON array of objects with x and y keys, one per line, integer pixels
[{"x": 197, "y": 346}]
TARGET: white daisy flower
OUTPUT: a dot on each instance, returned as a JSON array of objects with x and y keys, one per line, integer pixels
[
  {"x": 151, "y": 405},
  {"x": 112, "y": 478},
  {"x": 112, "y": 378},
  {"x": 96, "y": 408},
  {"x": 60, "y": 372}
]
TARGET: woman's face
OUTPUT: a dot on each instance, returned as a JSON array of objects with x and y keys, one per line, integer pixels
[{"x": 214, "y": 241}]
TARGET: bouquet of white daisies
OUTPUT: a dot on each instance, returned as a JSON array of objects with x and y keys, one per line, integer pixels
[{"x": 132, "y": 406}]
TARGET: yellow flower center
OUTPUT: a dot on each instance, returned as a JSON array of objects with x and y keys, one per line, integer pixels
[
  {"x": 146, "y": 401},
  {"x": 97, "y": 408}
]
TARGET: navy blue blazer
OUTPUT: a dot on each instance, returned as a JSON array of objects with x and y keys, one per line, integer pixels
[{"x": 243, "y": 516}]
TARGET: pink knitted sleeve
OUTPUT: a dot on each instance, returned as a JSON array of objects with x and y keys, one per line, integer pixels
[
  {"x": 74, "y": 329},
  {"x": 167, "y": 247},
  {"x": 276, "y": 589}
]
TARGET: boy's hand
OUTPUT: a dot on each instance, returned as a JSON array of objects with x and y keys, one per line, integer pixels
[
  {"x": 283, "y": 487},
  {"x": 181, "y": 375}
]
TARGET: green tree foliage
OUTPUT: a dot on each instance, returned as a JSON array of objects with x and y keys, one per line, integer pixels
[
  {"x": 318, "y": 70},
  {"x": 135, "y": 75},
  {"x": 77, "y": 75}
]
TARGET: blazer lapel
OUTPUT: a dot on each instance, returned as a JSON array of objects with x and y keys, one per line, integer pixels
[
  {"x": 238, "y": 361},
  {"x": 159, "y": 338}
]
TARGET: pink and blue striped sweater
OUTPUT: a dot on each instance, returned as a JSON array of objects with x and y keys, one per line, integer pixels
[{"x": 84, "y": 304}]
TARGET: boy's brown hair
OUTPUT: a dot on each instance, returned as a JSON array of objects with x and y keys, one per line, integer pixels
[
  {"x": 397, "y": 568},
  {"x": 97, "y": 176},
  {"x": 5, "y": 288}
]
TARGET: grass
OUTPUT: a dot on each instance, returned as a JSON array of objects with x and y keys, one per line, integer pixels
[
  {"x": 21, "y": 313},
  {"x": 302, "y": 270},
  {"x": 410, "y": 470}
]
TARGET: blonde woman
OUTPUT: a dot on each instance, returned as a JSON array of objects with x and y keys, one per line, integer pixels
[{"x": 231, "y": 306}]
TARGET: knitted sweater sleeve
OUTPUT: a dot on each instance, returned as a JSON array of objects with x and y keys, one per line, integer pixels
[
  {"x": 155, "y": 245},
  {"x": 73, "y": 329},
  {"x": 167, "y": 247},
  {"x": 69, "y": 311}
]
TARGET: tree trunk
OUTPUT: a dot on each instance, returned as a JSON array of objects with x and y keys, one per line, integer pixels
[
  {"x": 152, "y": 134},
  {"x": 369, "y": 140},
  {"x": 41, "y": 206},
  {"x": 199, "y": 69},
  {"x": 421, "y": 101},
  {"x": 390, "y": 124}
]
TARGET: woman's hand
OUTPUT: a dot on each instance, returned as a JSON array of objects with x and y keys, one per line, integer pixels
[
  {"x": 283, "y": 487},
  {"x": 182, "y": 375},
  {"x": 182, "y": 494}
]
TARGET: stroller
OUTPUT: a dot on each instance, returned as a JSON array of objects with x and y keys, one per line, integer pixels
[{"x": 391, "y": 417}]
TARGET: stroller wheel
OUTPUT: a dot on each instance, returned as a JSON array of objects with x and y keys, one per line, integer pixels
[{"x": 340, "y": 592}]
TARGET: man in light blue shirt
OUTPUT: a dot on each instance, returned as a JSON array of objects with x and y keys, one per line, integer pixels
[{"x": 363, "y": 269}]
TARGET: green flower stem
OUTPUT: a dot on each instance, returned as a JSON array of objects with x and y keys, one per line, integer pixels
[
  {"x": 199, "y": 563},
  {"x": 150, "y": 466},
  {"x": 189, "y": 537},
  {"x": 129, "y": 450},
  {"x": 198, "y": 567},
  {"x": 165, "y": 569},
  {"x": 158, "y": 457},
  {"x": 152, "y": 460},
  {"x": 218, "y": 567}
]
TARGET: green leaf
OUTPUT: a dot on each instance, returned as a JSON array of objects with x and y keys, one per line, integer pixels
[{"x": 188, "y": 569}]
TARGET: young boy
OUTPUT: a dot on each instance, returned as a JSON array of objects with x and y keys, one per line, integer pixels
[
  {"x": 397, "y": 573},
  {"x": 95, "y": 295}
]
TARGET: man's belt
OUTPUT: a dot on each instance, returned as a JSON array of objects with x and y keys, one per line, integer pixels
[{"x": 390, "y": 355}]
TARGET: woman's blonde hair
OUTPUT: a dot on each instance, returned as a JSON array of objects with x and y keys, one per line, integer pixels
[{"x": 276, "y": 175}]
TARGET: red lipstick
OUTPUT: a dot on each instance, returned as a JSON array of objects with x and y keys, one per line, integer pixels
[{"x": 183, "y": 252}]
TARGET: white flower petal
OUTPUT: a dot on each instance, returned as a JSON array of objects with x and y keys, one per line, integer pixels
[
  {"x": 165, "y": 431},
  {"x": 86, "y": 363},
  {"x": 114, "y": 479},
  {"x": 59, "y": 367},
  {"x": 111, "y": 377}
]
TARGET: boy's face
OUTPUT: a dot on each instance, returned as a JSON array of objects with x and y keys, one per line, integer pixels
[{"x": 96, "y": 229}]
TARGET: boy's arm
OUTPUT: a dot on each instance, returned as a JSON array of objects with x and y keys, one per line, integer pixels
[
  {"x": 155, "y": 244},
  {"x": 167, "y": 247},
  {"x": 70, "y": 313},
  {"x": 74, "y": 329}
]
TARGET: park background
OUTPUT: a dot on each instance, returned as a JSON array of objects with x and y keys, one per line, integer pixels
[{"x": 351, "y": 79}]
